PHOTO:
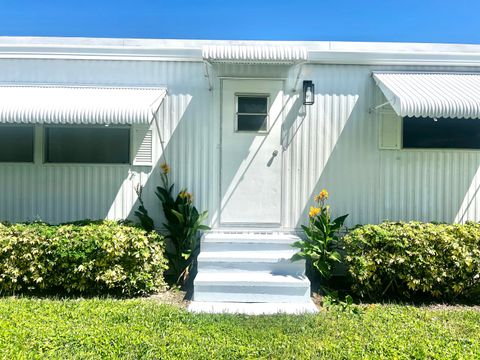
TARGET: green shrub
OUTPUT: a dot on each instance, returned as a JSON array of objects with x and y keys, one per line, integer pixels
[
  {"x": 415, "y": 260},
  {"x": 81, "y": 258}
]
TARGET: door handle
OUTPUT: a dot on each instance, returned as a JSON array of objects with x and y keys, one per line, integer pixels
[{"x": 274, "y": 155}]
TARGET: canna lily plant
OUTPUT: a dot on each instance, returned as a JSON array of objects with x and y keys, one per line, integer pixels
[
  {"x": 321, "y": 238},
  {"x": 183, "y": 224}
]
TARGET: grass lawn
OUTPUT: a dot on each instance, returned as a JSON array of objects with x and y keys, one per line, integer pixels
[{"x": 137, "y": 329}]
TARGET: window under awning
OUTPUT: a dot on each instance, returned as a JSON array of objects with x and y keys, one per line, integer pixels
[
  {"x": 78, "y": 104},
  {"x": 435, "y": 95}
]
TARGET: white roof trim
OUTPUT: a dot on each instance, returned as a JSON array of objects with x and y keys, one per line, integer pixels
[
  {"x": 78, "y": 105},
  {"x": 255, "y": 54},
  {"x": 319, "y": 52},
  {"x": 453, "y": 95}
]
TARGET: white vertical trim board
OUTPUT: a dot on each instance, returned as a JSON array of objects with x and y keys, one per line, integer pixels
[{"x": 390, "y": 130}]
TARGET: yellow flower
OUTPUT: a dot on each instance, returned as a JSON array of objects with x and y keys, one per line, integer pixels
[
  {"x": 322, "y": 196},
  {"x": 165, "y": 168},
  {"x": 314, "y": 211},
  {"x": 186, "y": 195}
]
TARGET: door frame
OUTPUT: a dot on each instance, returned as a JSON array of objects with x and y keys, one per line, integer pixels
[{"x": 243, "y": 226}]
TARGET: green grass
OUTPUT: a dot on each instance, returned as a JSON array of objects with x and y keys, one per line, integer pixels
[{"x": 144, "y": 329}]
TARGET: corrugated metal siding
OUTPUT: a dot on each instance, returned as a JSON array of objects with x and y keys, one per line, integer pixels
[
  {"x": 432, "y": 94},
  {"x": 430, "y": 185},
  {"x": 58, "y": 193},
  {"x": 336, "y": 147},
  {"x": 332, "y": 144}
]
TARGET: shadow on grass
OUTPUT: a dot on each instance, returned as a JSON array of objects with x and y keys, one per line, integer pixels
[{"x": 181, "y": 295}]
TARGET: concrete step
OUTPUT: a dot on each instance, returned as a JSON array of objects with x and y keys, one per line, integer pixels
[
  {"x": 307, "y": 307},
  {"x": 250, "y": 272},
  {"x": 275, "y": 262},
  {"x": 225, "y": 241},
  {"x": 250, "y": 286}
]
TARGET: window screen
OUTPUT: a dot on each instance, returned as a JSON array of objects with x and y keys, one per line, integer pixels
[
  {"x": 441, "y": 133},
  {"x": 103, "y": 145},
  {"x": 252, "y": 113},
  {"x": 16, "y": 143}
]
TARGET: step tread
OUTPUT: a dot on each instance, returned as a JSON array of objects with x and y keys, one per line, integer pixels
[
  {"x": 247, "y": 256},
  {"x": 253, "y": 278}
]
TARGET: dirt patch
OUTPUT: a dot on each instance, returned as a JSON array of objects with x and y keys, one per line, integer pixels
[
  {"x": 171, "y": 297},
  {"x": 317, "y": 300}
]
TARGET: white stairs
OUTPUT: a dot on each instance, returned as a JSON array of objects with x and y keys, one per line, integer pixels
[{"x": 250, "y": 273}]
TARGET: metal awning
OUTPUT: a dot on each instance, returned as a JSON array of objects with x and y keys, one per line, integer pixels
[
  {"x": 452, "y": 95},
  {"x": 255, "y": 54},
  {"x": 78, "y": 104}
]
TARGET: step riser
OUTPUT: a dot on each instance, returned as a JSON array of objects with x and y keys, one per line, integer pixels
[
  {"x": 237, "y": 246},
  {"x": 296, "y": 268},
  {"x": 247, "y": 294}
]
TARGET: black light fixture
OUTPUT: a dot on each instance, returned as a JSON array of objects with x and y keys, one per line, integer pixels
[{"x": 308, "y": 92}]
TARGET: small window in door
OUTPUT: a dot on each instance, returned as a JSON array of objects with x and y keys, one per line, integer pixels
[{"x": 252, "y": 113}]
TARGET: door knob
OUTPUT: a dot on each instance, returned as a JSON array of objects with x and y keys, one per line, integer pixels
[{"x": 275, "y": 153}]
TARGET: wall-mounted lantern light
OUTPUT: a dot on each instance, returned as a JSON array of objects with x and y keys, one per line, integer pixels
[{"x": 308, "y": 92}]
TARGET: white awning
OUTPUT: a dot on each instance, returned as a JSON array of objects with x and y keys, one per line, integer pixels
[
  {"x": 255, "y": 54},
  {"x": 434, "y": 95},
  {"x": 78, "y": 104}
]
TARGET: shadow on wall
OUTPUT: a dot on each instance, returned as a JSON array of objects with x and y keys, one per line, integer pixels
[
  {"x": 333, "y": 145},
  {"x": 61, "y": 192},
  {"x": 370, "y": 184},
  {"x": 181, "y": 155},
  {"x": 431, "y": 185},
  {"x": 293, "y": 121},
  {"x": 57, "y": 193},
  {"x": 328, "y": 161},
  {"x": 69, "y": 192}
]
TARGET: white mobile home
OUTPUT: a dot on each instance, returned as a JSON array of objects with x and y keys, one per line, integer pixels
[{"x": 254, "y": 129}]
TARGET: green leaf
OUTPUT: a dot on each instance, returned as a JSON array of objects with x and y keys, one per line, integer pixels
[
  {"x": 298, "y": 256},
  {"x": 178, "y": 215}
]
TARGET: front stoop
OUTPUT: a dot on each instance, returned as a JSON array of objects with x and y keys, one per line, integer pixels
[{"x": 250, "y": 273}]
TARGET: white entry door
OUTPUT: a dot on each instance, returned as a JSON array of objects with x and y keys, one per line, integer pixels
[{"x": 251, "y": 153}]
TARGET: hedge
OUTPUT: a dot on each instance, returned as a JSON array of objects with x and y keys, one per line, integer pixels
[
  {"x": 80, "y": 258},
  {"x": 415, "y": 260}
]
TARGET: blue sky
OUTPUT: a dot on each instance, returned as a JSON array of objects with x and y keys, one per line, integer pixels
[{"x": 401, "y": 20}]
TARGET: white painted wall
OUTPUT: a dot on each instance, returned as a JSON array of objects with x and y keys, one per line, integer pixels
[{"x": 332, "y": 144}]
